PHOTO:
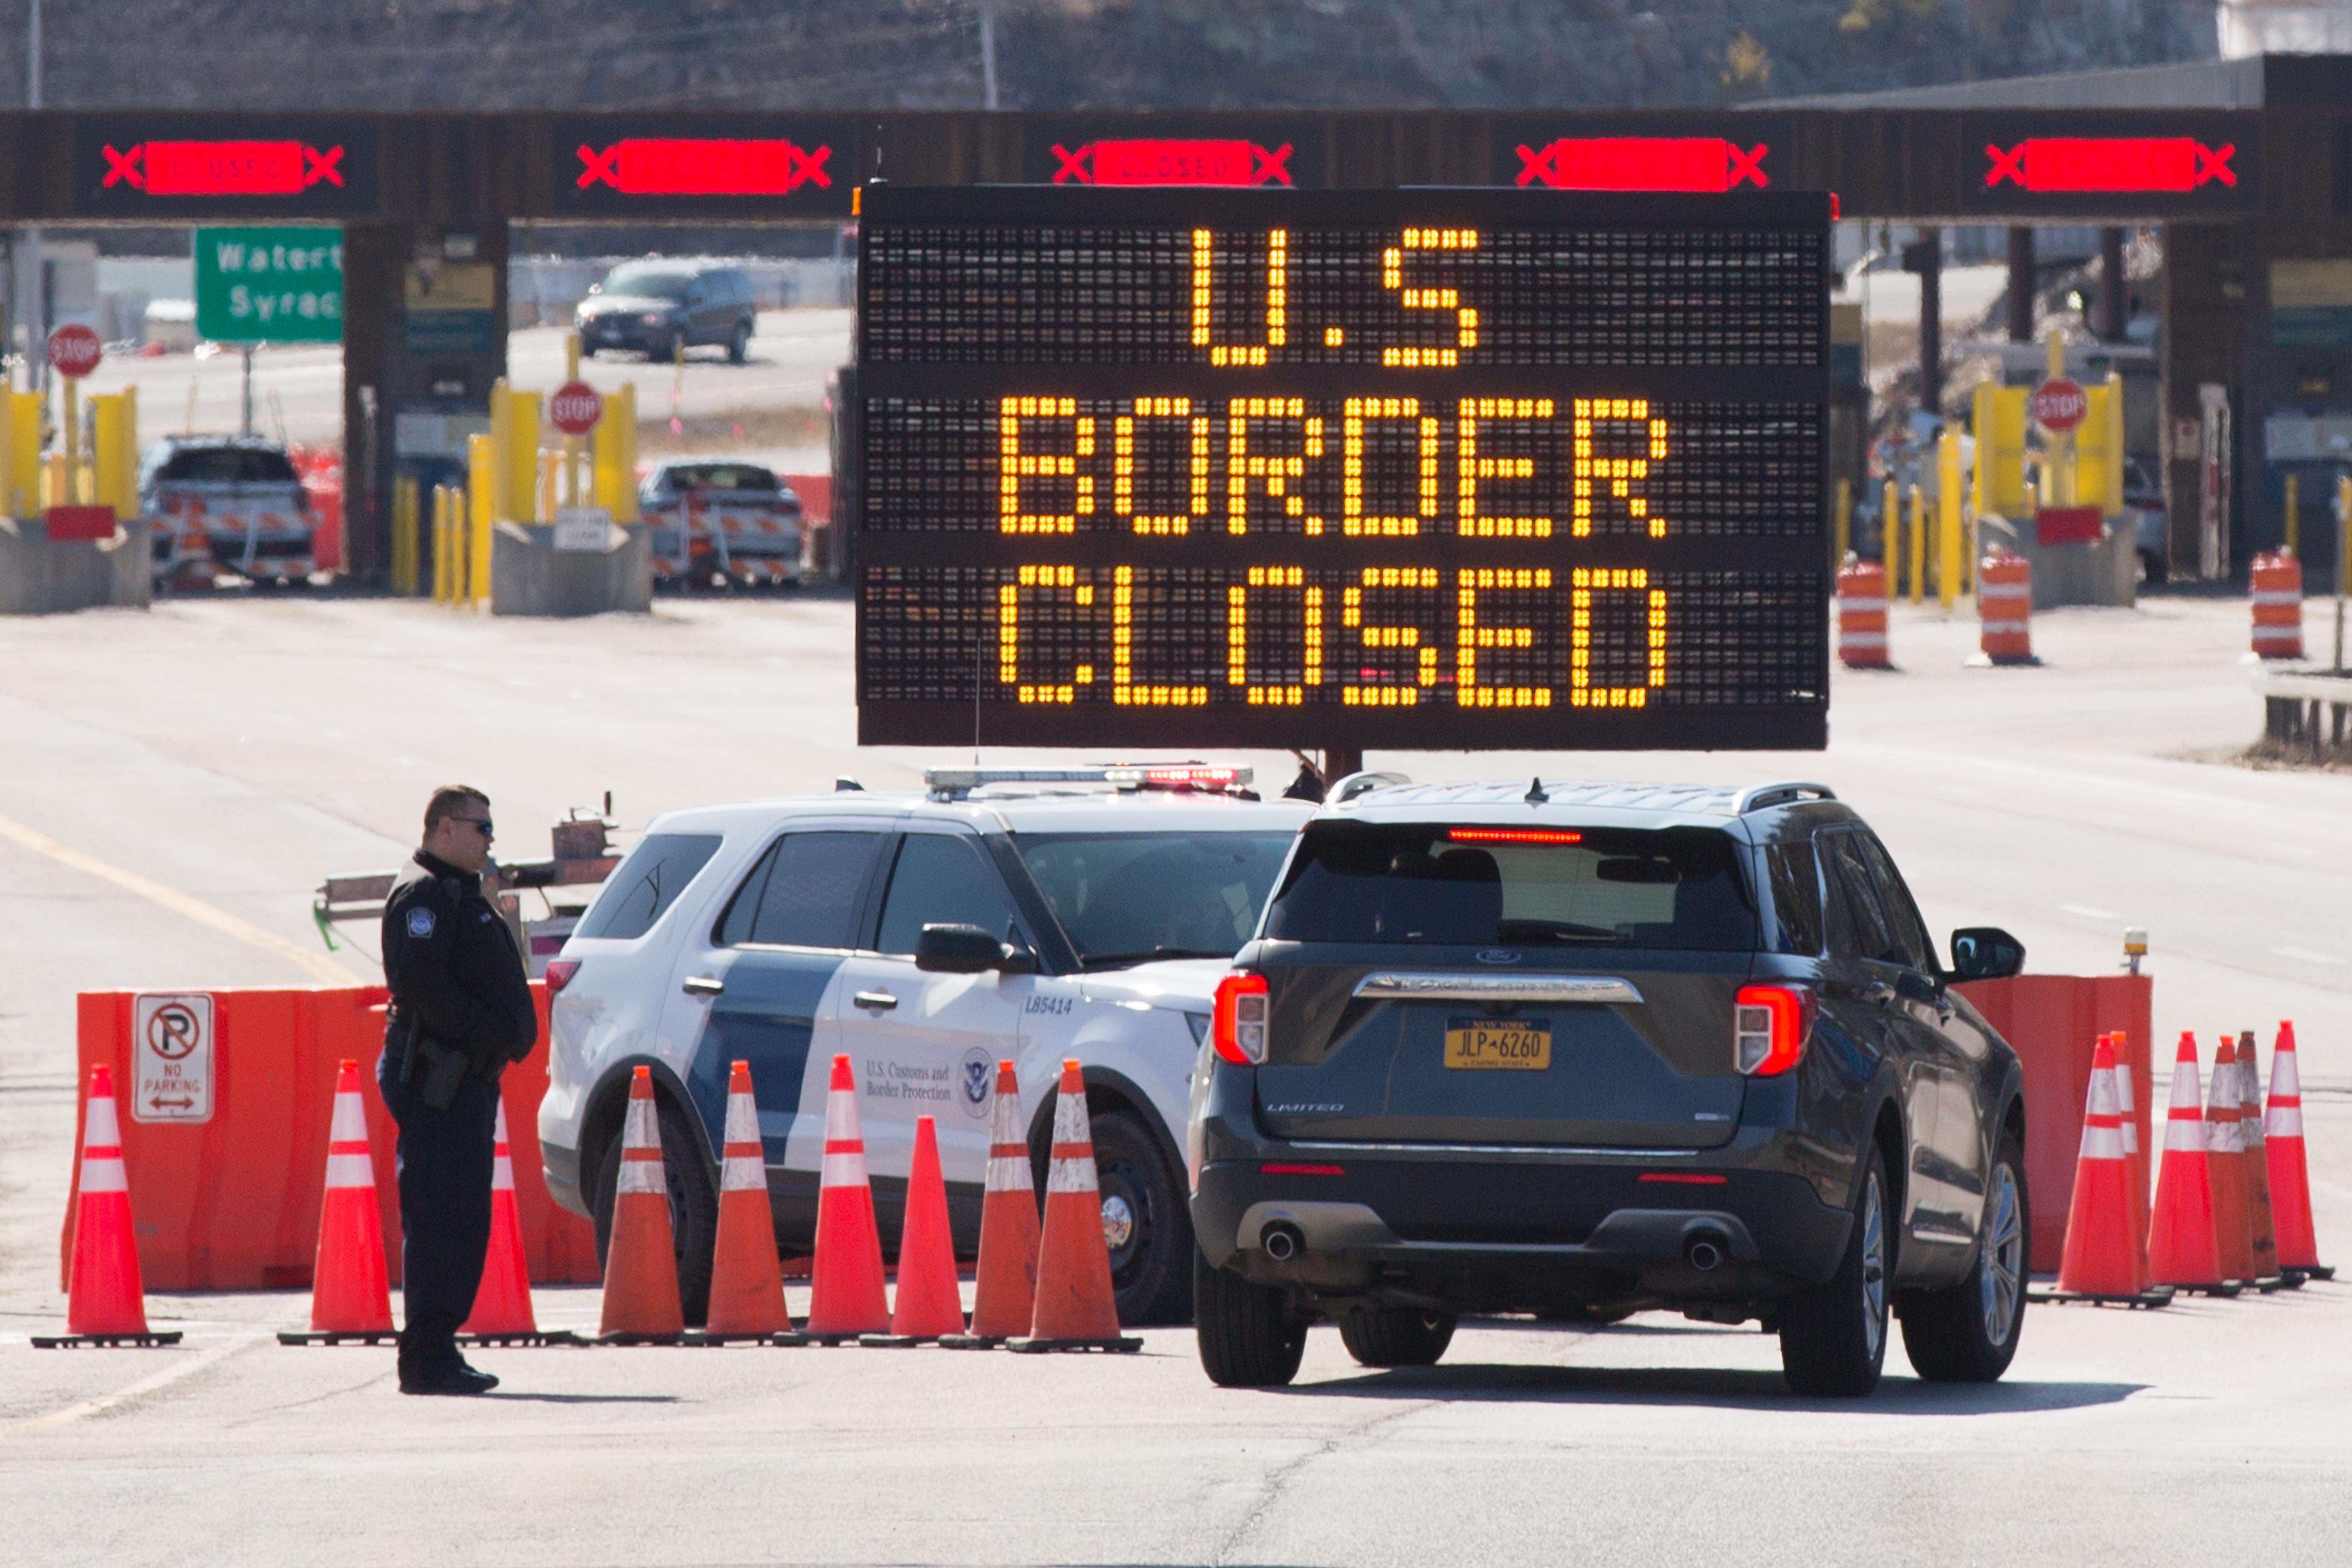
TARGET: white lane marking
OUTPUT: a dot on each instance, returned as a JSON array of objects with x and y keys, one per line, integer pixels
[
  {"x": 162, "y": 1378},
  {"x": 2307, "y": 955},
  {"x": 317, "y": 965},
  {"x": 2087, "y": 909}
]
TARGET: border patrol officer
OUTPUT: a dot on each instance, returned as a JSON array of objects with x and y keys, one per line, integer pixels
[{"x": 461, "y": 1010}]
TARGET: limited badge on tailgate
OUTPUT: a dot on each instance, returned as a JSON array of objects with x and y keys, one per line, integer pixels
[{"x": 1521, "y": 1043}]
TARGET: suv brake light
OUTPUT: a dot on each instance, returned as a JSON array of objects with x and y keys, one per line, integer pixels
[
  {"x": 560, "y": 972},
  {"x": 1770, "y": 1026},
  {"x": 1238, "y": 1027}
]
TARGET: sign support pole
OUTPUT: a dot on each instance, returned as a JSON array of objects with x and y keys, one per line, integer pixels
[
  {"x": 571, "y": 443},
  {"x": 245, "y": 425}
]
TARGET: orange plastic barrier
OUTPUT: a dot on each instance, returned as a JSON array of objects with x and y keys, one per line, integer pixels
[
  {"x": 1861, "y": 614},
  {"x": 2277, "y": 588},
  {"x": 2054, "y": 1021},
  {"x": 815, "y": 491},
  {"x": 232, "y": 1203},
  {"x": 2005, "y": 606}
]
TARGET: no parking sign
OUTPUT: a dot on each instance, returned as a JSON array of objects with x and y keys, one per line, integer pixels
[{"x": 171, "y": 1056}]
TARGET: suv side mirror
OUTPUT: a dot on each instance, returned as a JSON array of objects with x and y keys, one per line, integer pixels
[
  {"x": 958, "y": 950},
  {"x": 1986, "y": 953}
]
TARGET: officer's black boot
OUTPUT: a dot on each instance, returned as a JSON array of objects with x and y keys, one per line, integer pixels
[{"x": 429, "y": 1362}]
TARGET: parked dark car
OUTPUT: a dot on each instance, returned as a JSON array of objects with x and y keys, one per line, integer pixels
[
  {"x": 1581, "y": 1051},
  {"x": 660, "y": 308}
]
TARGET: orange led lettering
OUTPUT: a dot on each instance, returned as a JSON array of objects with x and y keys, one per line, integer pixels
[
  {"x": 1124, "y": 689},
  {"x": 1582, "y": 586},
  {"x": 1354, "y": 518},
  {"x": 1237, "y": 637},
  {"x": 1008, "y": 634},
  {"x": 1383, "y": 637},
  {"x": 1472, "y": 636},
  {"x": 1017, "y": 465},
  {"x": 1466, "y": 319},
  {"x": 1473, "y": 468},
  {"x": 1122, "y": 447},
  {"x": 1277, "y": 306},
  {"x": 1618, "y": 473},
  {"x": 1277, "y": 470}
]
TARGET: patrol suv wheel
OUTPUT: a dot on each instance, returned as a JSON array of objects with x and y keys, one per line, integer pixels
[
  {"x": 1249, "y": 1335},
  {"x": 693, "y": 1208},
  {"x": 1145, "y": 1224},
  {"x": 1396, "y": 1336},
  {"x": 738, "y": 345},
  {"x": 1833, "y": 1336},
  {"x": 1968, "y": 1332}
]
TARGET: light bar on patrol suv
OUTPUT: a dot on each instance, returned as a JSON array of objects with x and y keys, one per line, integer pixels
[{"x": 952, "y": 783}]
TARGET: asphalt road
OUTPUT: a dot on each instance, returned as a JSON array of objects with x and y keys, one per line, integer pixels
[
  {"x": 231, "y": 752},
  {"x": 789, "y": 360}
]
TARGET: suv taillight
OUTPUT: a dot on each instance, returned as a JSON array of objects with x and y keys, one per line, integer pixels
[
  {"x": 560, "y": 972},
  {"x": 1768, "y": 1028},
  {"x": 1238, "y": 1027}
]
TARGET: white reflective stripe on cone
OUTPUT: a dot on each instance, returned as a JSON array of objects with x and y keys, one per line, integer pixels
[
  {"x": 2224, "y": 1138},
  {"x": 744, "y": 1173},
  {"x": 2283, "y": 1121},
  {"x": 2007, "y": 628},
  {"x": 841, "y": 1116},
  {"x": 2278, "y": 596},
  {"x": 1008, "y": 1173},
  {"x": 350, "y": 1170},
  {"x": 104, "y": 1173},
  {"x": 642, "y": 1175},
  {"x": 643, "y": 1128},
  {"x": 1004, "y": 1121},
  {"x": 99, "y": 1129},
  {"x": 742, "y": 1120},
  {"x": 1070, "y": 1120},
  {"x": 2184, "y": 1130},
  {"x": 2128, "y": 1123},
  {"x": 844, "y": 1170},
  {"x": 502, "y": 1171},
  {"x": 1862, "y": 640},
  {"x": 1072, "y": 1173},
  {"x": 349, "y": 1125},
  {"x": 1851, "y": 605}
]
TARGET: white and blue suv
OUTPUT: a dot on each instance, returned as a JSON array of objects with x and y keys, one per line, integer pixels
[{"x": 1035, "y": 915}]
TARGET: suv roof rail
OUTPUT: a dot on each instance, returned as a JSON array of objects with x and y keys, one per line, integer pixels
[
  {"x": 955, "y": 783},
  {"x": 1756, "y": 797},
  {"x": 1356, "y": 783}
]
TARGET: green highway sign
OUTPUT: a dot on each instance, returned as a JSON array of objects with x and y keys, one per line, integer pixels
[{"x": 274, "y": 284}]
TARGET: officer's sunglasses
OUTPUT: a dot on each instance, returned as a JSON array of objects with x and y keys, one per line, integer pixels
[{"x": 482, "y": 823}]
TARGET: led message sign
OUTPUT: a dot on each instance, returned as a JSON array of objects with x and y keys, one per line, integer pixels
[
  {"x": 2103, "y": 163},
  {"x": 700, "y": 166},
  {"x": 207, "y": 165},
  {"x": 1174, "y": 149},
  {"x": 1702, "y": 155},
  {"x": 1450, "y": 468}
]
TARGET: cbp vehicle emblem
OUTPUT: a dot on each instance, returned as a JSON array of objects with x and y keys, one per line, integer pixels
[
  {"x": 977, "y": 1078},
  {"x": 420, "y": 923},
  {"x": 1497, "y": 955}
]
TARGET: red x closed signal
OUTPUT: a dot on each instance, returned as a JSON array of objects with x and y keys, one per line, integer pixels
[
  {"x": 1706, "y": 164},
  {"x": 695, "y": 166},
  {"x": 2103, "y": 163},
  {"x": 223, "y": 168},
  {"x": 1169, "y": 161}
]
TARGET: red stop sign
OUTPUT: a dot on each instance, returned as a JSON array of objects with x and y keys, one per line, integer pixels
[
  {"x": 74, "y": 351},
  {"x": 2060, "y": 405},
  {"x": 575, "y": 408}
]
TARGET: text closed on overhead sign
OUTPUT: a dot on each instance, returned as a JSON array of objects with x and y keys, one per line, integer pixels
[{"x": 171, "y": 1056}]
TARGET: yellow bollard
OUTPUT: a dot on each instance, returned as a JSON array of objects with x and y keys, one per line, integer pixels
[
  {"x": 1845, "y": 538},
  {"x": 2293, "y": 516},
  {"x": 1890, "y": 538},
  {"x": 1918, "y": 543},
  {"x": 1947, "y": 517},
  {"x": 479, "y": 508},
  {"x": 614, "y": 452},
  {"x": 69, "y": 394},
  {"x": 404, "y": 534},
  {"x": 551, "y": 465},
  {"x": 20, "y": 455},
  {"x": 442, "y": 544},
  {"x": 571, "y": 443}
]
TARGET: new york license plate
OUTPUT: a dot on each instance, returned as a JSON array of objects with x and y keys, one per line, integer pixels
[{"x": 1499, "y": 1042}]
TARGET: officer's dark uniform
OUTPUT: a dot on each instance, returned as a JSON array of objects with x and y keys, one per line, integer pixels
[{"x": 457, "y": 981}]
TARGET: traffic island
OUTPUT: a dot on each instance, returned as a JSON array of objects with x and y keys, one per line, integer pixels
[
  {"x": 584, "y": 566},
  {"x": 42, "y": 573}
]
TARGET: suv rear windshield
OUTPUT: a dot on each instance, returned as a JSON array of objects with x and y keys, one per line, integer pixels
[
  {"x": 1677, "y": 888},
  {"x": 227, "y": 465},
  {"x": 647, "y": 883},
  {"x": 648, "y": 282},
  {"x": 1127, "y": 898},
  {"x": 719, "y": 476}
]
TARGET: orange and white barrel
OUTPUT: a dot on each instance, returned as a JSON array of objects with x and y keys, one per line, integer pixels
[
  {"x": 2005, "y": 606},
  {"x": 1861, "y": 614},
  {"x": 2277, "y": 584}
]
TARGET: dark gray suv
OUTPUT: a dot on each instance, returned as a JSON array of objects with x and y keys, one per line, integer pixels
[
  {"x": 1581, "y": 1050},
  {"x": 661, "y": 309}
]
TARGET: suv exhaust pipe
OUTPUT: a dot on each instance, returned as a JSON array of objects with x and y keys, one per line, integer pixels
[
  {"x": 1705, "y": 1250},
  {"x": 1282, "y": 1241}
]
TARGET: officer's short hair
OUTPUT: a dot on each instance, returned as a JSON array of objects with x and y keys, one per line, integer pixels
[{"x": 447, "y": 799}]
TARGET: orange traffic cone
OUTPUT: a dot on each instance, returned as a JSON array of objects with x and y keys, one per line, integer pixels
[
  {"x": 2225, "y": 1142},
  {"x": 746, "y": 1282},
  {"x": 2260, "y": 1233},
  {"x": 641, "y": 1300},
  {"x": 105, "y": 1303},
  {"x": 2290, "y": 1176},
  {"x": 2098, "y": 1258},
  {"x": 1004, "y": 1299},
  {"x": 929, "y": 1303},
  {"x": 845, "y": 1297},
  {"x": 1074, "y": 1309},
  {"x": 348, "y": 1298},
  {"x": 2134, "y": 1161},
  {"x": 2182, "y": 1250},
  {"x": 502, "y": 1312}
]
